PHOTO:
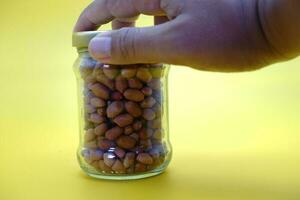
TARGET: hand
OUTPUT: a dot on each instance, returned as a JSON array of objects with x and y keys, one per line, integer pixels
[{"x": 214, "y": 35}]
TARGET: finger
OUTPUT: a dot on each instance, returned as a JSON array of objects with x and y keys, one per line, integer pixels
[
  {"x": 137, "y": 45},
  {"x": 120, "y": 23},
  {"x": 103, "y": 11},
  {"x": 92, "y": 17}
]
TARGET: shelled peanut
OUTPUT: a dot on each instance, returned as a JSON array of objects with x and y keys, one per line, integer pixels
[{"x": 123, "y": 117}]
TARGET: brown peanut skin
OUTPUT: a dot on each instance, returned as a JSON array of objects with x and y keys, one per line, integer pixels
[
  {"x": 126, "y": 142},
  {"x": 121, "y": 84},
  {"x": 133, "y": 108},
  {"x": 96, "y": 118},
  {"x": 145, "y": 158},
  {"x": 134, "y": 95},
  {"x": 128, "y": 73},
  {"x": 148, "y": 114},
  {"x": 109, "y": 159},
  {"x": 110, "y": 73},
  {"x": 97, "y": 102},
  {"x": 123, "y": 119},
  {"x": 144, "y": 75},
  {"x": 118, "y": 167},
  {"x": 101, "y": 129},
  {"x": 100, "y": 91},
  {"x": 135, "y": 83},
  {"x": 113, "y": 133},
  {"x": 114, "y": 109}
]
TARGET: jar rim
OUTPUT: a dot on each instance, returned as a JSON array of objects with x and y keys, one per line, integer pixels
[{"x": 81, "y": 40}]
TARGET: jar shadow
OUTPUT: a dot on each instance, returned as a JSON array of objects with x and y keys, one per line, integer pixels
[{"x": 187, "y": 184}]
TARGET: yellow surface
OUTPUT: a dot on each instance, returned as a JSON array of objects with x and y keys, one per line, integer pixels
[{"x": 235, "y": 136}]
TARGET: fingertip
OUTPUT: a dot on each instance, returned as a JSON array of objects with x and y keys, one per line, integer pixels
[
  {"x": 100, "y": 47},
  {"x": 84, "y": 24}
]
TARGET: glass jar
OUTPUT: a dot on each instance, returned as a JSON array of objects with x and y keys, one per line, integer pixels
[{"x": 123, "y": 116}]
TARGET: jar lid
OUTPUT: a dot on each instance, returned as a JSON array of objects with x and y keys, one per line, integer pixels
[{"x": 82, "y": 39}]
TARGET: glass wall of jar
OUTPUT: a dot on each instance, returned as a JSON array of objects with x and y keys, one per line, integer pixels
[{"x": 123, "y": 116}]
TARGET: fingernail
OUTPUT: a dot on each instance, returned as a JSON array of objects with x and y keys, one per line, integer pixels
[{"x": 100, "y": 47}]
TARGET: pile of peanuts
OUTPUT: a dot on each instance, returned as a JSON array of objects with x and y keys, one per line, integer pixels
[{"x": 123, "y": 131}]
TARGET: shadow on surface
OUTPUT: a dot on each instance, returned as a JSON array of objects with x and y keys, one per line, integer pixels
[{"x": 221, "y": 178}]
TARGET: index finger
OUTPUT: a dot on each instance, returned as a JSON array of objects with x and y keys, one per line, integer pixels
[{"x": 103, "y": 11}]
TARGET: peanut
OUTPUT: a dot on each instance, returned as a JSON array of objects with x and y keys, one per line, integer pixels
[
  {"x": 134, "y": 95},
  {"x": 101, "y": 112},
  {"x": 157, "y": 134},
  {"x": 128, "y": 130},
  {"x": 109, "y": 159},
  {"x": 121, "y": 84},
  {"x": 97, "y": 102},
  {"x": 118, "y": 167},
  {"x": 148, "y": 114},
  {"x": 133, "y": 109},
  {"x": 91, "y": 144},
  {"x": 129, "y": 159},
  {"x": 128, "y": 73},
  {"x": 105, "y": 144},
  {"x": 145, "y": 133},
  {"x": 147, "y": 91},
  {"x": 154, "y": 153},
  {"x": 145, "y": 144},
  {"x": 106, "y": 81},
  {"x": 123, "y": 120},
  {"x": 96, "y": 154},
  {"x": 119, "y": 152},
  {"x": 156, "y": 71},
  {"x": 100, "y": 129},
  {"x": 145, "y": 158},
  {"x": 135, "y": 83},
  {"x": 126, "y": 142},
  {"x": 144, "y": 75},
  {"x": 155, "y": 84},
  {"x": 103, "y": 166},
  {"x": 110, "y": 73},
  {"x": 100, "y": 76},
  {"x": 90, "y": 79},
  {"x": 98, "y": 70},
  {"x": 96, "y": 118},
  {"x": 89, "y": 108},
  {"x": 89, "y": 135},
  {"x": 114, "y": 109},
  {"x": 100, "y": 90},
  {"x": 157, "y": 109},
  {"x": 113, "y": 133},
  {"x": 87, "y": 95},
  {"x": 148, "y": 102}
]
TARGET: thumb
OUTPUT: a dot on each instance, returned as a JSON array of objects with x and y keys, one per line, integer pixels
[{"x": 135, "y": 45}]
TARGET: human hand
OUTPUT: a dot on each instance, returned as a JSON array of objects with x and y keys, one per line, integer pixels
[{"x": 214, "y": 35}]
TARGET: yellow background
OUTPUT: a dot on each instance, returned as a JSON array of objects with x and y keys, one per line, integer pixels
[{"x": 235, "y": 136}]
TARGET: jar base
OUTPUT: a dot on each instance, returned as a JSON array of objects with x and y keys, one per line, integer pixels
[{"x": 125, "y": 177}]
